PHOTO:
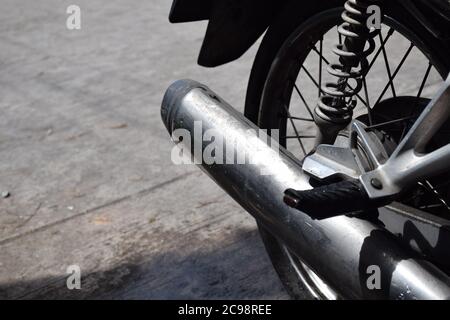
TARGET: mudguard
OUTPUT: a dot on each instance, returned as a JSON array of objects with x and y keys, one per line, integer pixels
[
  {"x": 187, "y": 11},
  {"x": 235, "y": 25}
]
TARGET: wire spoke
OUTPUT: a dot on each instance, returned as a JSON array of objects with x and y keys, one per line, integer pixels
[
  {"x": 339, "y": 34},
  {"x": 419, "y": 94},
  {"x": 382, "y": 45},
  {"x": 310, "y": 76},
  {"x": 298, "y": 118},
  {"x": 366, "y": 93},
  {"x": 295, "y": 129},
  {"x": 386, "y": 62},
  {"x": 320, "y": 66},
  {"x": 430, "y": 206},
  {"x": 439, "y": 197},
  {"x": 405, "y": 126},
  {"x": 378, "y": 125},
  {"x": 395, "y": 73},
  {"x": 304, "y": 101},
  {"x": 300, "y": 136},
  {"x": 424, "y": 80}
]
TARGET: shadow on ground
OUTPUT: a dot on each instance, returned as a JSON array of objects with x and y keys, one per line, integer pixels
[{"x": 168, "y": 275}]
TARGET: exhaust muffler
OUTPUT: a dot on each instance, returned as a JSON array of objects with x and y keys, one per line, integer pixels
[{"x": 340, "y": 249}]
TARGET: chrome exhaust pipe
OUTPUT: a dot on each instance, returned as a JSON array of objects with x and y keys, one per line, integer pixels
[{"x": 339, "y": 249}]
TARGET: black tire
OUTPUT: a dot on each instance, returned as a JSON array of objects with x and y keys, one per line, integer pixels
[{"x": 269, "y": 58}]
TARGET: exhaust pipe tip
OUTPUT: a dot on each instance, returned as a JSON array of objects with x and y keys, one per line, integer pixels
[{"x": 176, "y": 92}]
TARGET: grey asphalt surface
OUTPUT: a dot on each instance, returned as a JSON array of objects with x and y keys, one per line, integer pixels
[{"x": 86, "y": 160}]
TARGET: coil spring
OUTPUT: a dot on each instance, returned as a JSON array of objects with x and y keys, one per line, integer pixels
[{"x": 338, "y": 101}]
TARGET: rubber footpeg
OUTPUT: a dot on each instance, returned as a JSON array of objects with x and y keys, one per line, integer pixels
[{"x": 330, "y": 200}]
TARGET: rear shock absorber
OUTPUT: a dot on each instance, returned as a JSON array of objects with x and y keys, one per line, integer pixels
[{"x": 334, "y": 110}]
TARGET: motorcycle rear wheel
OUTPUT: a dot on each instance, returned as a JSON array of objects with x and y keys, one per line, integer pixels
[{"x": 272, "y": 69}]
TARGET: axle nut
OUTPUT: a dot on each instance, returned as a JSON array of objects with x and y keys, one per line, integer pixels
[{"x": 376, "y": 183}]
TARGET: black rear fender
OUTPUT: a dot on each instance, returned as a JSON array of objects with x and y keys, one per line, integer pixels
[{"x": 234, "y": 25}]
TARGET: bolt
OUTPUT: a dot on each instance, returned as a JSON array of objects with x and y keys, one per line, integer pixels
[
  {"x": 291, "y": 201},
  {"x": 376, "y": 183}
]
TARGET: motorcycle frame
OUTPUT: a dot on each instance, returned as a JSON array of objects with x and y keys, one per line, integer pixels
[{"x": 410, "y": 162}]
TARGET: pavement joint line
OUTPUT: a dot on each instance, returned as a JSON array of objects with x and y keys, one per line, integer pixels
[{"x": 105, "y": 205}]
